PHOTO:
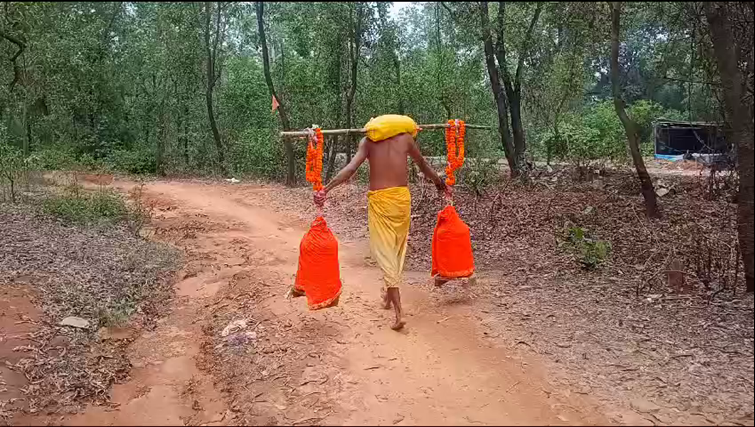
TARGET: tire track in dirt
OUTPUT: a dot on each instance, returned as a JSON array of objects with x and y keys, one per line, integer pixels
[{"x": 439, "y": 371}]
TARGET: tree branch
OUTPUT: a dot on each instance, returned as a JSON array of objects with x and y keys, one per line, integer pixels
[
  {"x": 450, "y": 13},
  {"x": 16, "y": 69},
  {"x": 692, "y": 81},
  {"x": 500, "y": 50},
  {"x": 17, "y": 42},
  {"x": 217, "y": 39},
  {"x": 525, "y": 45}
]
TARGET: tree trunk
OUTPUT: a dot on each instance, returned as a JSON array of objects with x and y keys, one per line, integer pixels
[
  {"x": 520, "y": 144},
  {"x": 27, "y": 127},
  {"x": 739, "y": 110},
  {"x": 160, "y": 145},
  {"x": 397, "y": 65},
  {"x": 211, "y": 79},
  {"x": 498, "y": 94},
  {"x": 332, "y": 153},
  {"x": 183, "y": 137},
  {"x": 282, "y": 111},
  {"x": 648, "y": 192},
  {"x": 513, "y": 87},
  {"x": 354, "y": 63}
]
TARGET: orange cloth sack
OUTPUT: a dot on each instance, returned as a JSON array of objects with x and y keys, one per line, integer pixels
[
  {"x": 318, "y": 275},
  {"x": 452, "y": 246}
]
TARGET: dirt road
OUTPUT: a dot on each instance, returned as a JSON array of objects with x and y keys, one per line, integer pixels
[{"x": 439, "y": 371}]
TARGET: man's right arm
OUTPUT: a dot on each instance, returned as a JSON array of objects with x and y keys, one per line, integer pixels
[
  {"x": 345, "y": 173},
  {"x": 351, "y": 168},
  {"x": 428, "y": 171}
]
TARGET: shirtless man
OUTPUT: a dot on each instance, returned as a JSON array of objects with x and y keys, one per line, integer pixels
[{"x": 389, "y": 206}]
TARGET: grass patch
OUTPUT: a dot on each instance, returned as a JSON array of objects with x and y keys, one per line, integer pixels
[{"x": 103, "y": 205}]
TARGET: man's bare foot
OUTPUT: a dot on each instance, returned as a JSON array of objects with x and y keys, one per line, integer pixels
[
  {"x": 440, "y": 281},
  {"x": 393, "y": 295},
  {"x": 294, "y": 293},
  {"x": 386, "y": 301}
]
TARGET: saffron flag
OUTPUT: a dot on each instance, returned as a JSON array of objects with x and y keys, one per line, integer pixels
[{"x": 275, "y": 104}]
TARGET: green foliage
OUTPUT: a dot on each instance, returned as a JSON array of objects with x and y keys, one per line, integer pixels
[
  {"x": 54, "y": 158},
  {"x": 258, "y": 153},
  {"x": 77, "y": 206},
  {"x": 591, "y": 253},
  {"x": 14, "y": 167},
  {"x": 596, "y": 133},
  {"x": 479, "y": 174},
  {"x": 122, "y": 86},
  {"x": 131, "y": 161}
]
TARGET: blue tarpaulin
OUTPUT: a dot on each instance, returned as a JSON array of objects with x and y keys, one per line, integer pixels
[{"x": 669, "y": 157}]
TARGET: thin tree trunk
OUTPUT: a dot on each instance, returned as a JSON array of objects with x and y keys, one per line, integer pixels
[
  {"x": 160, "y": 142},
  {"x": 16, "y": 68},
  {"x": 27, "y": 127},
  {"x": 183, "y": 137},
  {"x": 520, "y": 144},
  {"x": 282, "y": 111},
  {"x": 498, "y": 94},
  {"x": 739, "y": 129},
  {"x": 354, "y": 63},
  {"x": 648, "y": 192},
  {"x": 513, "y": 86},
  {"x": 397, "y": 65},
  {"x": 211, "y": 79},
  {"x": 332, "y": 154}
]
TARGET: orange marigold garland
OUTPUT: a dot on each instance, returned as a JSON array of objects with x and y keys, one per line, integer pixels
[
  {"x": 314, "y": 159},
  {"x": 454, "y": 142}
]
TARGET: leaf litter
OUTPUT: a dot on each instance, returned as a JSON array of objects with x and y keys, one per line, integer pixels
[
  {"x": 614, "y": 333},
  {"x": 102, "y": 277}
]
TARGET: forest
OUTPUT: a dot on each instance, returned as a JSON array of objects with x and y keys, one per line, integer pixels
[
  {"x": 628, "y": 275},
  {"x": 186, "y": 88}
]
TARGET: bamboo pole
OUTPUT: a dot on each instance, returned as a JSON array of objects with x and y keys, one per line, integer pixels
[{"x": 304, "y": 134}]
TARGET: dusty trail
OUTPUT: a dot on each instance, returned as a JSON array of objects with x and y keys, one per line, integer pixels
[{"x": 439, "y": 371}]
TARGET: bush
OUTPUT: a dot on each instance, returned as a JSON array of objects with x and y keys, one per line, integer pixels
[
  {"x": 479, "y": 174},
  {"x": 597, "y": 133},
  {"x": 258, "y": 153},
  {"x": 57, "y": 159},
  {"x": 136, "y": 161},
  {"x": 14, "y": 169},
  {"x": 75, "y": 206},
  {"x": 591, "y": 253}
]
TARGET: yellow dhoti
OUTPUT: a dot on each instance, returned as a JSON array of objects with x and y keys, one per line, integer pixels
[{"x": 389, "y": 218}]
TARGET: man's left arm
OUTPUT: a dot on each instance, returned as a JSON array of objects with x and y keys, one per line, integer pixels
[{"x": 426, "y": 169}]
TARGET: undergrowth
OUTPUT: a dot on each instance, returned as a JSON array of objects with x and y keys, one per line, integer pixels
[
  {"x": 103, "y": 206},
  {"x": 590, "y": 252}
]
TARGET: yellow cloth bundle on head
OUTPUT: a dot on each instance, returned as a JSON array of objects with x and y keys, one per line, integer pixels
[{"x": 390, "y": 125}]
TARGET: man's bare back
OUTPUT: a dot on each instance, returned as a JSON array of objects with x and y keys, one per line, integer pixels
[
  {"x": 388, "y": 164},
  {"x": 388, "y": 161}
]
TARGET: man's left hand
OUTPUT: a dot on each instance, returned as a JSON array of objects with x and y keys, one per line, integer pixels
[
  {"x": 443, "y": 189},
  {"x": 320, "y": 197}
]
